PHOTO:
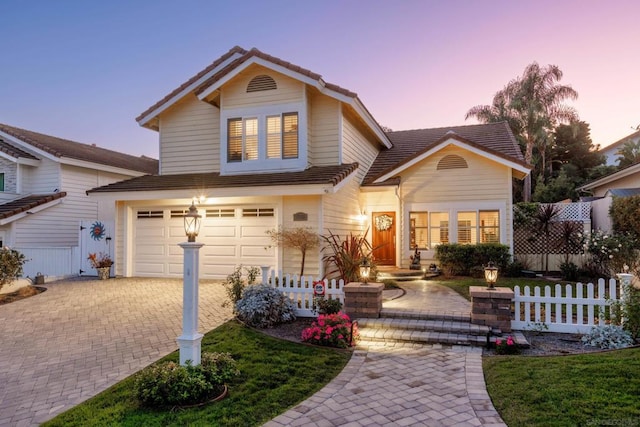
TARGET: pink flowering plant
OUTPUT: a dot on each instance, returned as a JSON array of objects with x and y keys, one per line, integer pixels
[
  {"x": 332, "y": 330},
  {"x": 507, "y": 346}
]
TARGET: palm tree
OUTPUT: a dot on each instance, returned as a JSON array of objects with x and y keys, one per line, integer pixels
[
  {"x": 629, "y": 153},
  {"x": 532, "y": 105}
]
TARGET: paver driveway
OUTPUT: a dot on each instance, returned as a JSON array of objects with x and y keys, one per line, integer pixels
[{"x": 79, "y": 337}]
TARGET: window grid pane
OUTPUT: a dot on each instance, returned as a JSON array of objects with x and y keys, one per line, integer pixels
[
  {"x": 489, "y": 226},
  {"x": 290, "y": 135},
  {"x": 250, "y": 139},
  {"x": 439, "y": 228},
  {"x": 234, "y": 143},
  {"x": 418, "y": 230},
  {"x": 467, "y": 227},
  {"x": 273, "y": 137}
]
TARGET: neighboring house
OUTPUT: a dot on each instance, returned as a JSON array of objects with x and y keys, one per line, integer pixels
[
  {"x": 611, "y": 151},
  {"x": 623, "y": 183},
  {"x": 260, "y": 143},
  {"x": 43, "y": 184}
]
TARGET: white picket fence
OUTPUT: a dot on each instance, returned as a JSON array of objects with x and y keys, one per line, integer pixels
[
  {"x": 576, "y": 310},
  {"x": 300, "y": 290}
]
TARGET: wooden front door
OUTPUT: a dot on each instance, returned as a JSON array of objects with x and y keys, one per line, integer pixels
[{"x": 384, "y": 237}]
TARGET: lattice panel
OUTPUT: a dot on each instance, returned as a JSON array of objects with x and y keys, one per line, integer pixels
[{"x": 528, "y": 242}]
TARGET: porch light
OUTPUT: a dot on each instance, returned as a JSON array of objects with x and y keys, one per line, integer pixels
[
  {"x": 365, "y": 269},
  {"x": 491, "y": 275},
  {"x": 192, "y": 223}
]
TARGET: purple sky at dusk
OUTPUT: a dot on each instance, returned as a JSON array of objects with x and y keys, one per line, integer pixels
[{"x": 83, "y": 70}]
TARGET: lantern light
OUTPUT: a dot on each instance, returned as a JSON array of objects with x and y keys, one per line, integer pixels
[
  {"x": 365, "y": 269},
  {"x": 192, "y": 223},
  {"x": 491, "y": 275}
]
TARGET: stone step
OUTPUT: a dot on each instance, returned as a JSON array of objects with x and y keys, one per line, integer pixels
[
  {"x": 434, "y": 325},
  {"x": 399, "y": 313},
  {"x": 406, "y": 275}
]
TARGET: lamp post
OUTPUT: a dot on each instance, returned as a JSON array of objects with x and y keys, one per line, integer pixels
[
  {"x": 190, "y": 340},
  {"x": 365, "y": 269},
  {"x": 491, "y": 275}
]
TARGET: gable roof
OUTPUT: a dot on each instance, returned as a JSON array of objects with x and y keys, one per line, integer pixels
[
  {"x": 64, "y": 148},
  {"x": 493, "y": 138},
  {"x": 611, "y": 177},
  {"x": 14, "y": 151},
  {"x": 234, "y": 61},
  {"x": 619, "y": 142},
  {"x": 24, "y": 204},
  {"x": 327, "y": 175}
]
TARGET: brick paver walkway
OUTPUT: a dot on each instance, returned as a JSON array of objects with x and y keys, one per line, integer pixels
[{"x": 79, "y": 337}]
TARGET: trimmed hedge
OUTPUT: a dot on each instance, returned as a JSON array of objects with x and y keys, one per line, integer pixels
[{"x": 460, "y": 260}]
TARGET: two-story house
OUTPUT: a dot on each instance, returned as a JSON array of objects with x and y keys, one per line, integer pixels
[
  {"x": 261, "y": 143},
  {"x": 43, "y": 185}
]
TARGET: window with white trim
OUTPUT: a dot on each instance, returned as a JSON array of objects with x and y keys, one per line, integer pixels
[
  {"x": 489, "y": 226},
  {"x": 273, "y": 136},
  {"x": 430, "y": 229}
]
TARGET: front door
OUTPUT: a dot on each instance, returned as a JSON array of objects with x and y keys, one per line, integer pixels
[{"x": 384, "y": 238}]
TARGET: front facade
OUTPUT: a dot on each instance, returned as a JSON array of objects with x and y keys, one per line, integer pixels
[{"x": 260, "y": 144}]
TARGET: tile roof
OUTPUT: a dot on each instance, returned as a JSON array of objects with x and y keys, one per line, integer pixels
[
  {"x": 23, "y": 204},
  {"x": 246, "y": 55},
  {"x": 15, "y": 152},
  {"x": 494, "y": 138},
  {"x": 331, "y": 175},
  {"x": 59, "y": 147}
]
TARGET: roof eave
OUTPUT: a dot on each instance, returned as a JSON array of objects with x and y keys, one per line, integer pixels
[
  {"x": 610, "y": 178},
  {"x": 20, "y": 215},
  {"x": 99, "y": 166}
]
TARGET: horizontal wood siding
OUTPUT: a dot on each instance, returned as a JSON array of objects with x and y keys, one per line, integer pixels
[
  {"x": 357, "y": 148},
  {"x": 341, "y": 211},
  {"x": 190, "y": 138},
  {"x": 482, "y": 180},
  {"x": 291, "y": 258},
  {"x": 234, "y": 92},
  {"x": 43, "y": 179},
  {"x": 631, "y": 181},
  {"x": 58, "y": 225},
  {"x": 324, "y": 130},
  {"x": 10, "y": 171}
]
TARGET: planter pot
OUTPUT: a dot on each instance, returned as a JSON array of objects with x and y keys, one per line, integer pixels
[{"x": 103, "y": 272}]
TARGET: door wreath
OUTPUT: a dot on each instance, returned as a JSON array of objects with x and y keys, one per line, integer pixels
[{"x": 383, "y": 222}]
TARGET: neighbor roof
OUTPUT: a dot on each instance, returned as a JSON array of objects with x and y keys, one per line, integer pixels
[
  {"x": 61, "y": 148},
  {"x": 620, "y": 142},
  {"x": 494, "y": 138},
  {"x": 15, "y": 152},
  {"x": 631, "y": 169},
  {"x": 330, "y": 175},
  {"x": 14, "y": 207},
  {"x": 624, "y": 192}
]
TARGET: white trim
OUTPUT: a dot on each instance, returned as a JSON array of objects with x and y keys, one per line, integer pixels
[
  {"x": 340, "y": 133},
  {"x": 20, "y": 160},
  {"x": 611, "y": 178},
  {"x": 35, "y": 210},
  {"x": 263, "y": 164},
  {"x": 152, "y": 114},
  {"x": 459, "y": 144},
  {"x": 98, "y": 166},
  {"x": 318, "y": 84}
]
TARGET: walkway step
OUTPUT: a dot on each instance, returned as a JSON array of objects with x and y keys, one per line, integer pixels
[
  {"x": 400, "y": 313},
  {"x": 437, "y": 325}
]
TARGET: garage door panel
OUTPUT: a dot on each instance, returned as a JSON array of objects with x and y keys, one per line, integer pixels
[
  {"x": 253, "y": 231},
  {"x": 177, "y": 233},
  {"x": 219, "y": 250},
  {"x": 217, "y": 271},
  {"x": 253, "y": 251},
  {"x": 176, "y": 268},
  {"x": 175, "y": 250},
  {"x": 150, "y": 250},
  {"x": 149, "y": 267},
  {"x": 219, "y": 231}
]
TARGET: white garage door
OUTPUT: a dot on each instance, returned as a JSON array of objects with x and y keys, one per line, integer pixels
[{"x": 232, "y": 236}]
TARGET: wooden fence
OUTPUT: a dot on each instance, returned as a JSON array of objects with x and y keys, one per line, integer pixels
[
  {"x": 570, "y": 308},
  {"x": 300, "y": 290}
]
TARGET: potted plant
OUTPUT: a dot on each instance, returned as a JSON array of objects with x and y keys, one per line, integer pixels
[{"x": 102, "y": 263}]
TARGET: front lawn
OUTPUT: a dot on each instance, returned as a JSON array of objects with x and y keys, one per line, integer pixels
[
  {"x": 579, "y": 390},
  {"x": 461, "y": 284},
  {"x": 275, "y": 375}
]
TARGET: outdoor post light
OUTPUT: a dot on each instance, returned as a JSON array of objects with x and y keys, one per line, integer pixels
[
  {"x": 365, "y": 269},
  {"x": 192, "y": 223},
  {"x": 190, "y": 340},
  {"x": 491, "y": 275}
]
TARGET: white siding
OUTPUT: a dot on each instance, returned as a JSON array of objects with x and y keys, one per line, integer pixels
[
  {"x": 324, "y": 130},
  {"x": 234, "y": 93},
  {"x": 190, "y": 138},
  {"x": 10, "y": 171},
  {"x": 43, "y": 179},
  {"x": 291, "y": 258},
  {"x": 357, "y": 148},
  {"x": 58, "y": 225}
]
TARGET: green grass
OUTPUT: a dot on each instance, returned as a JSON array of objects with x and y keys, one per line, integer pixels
[
  {"x": 461, "y": 284},
  {"x": 275, "y": 375},
  {"x": 578, "y": 390}
]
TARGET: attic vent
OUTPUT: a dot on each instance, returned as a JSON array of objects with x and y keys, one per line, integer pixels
[
  {"x": 261, "y": 82},
  {"x": 452, "y": 162}
]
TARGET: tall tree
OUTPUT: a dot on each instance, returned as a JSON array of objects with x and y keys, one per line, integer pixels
[
  {"x": 628, "y": 153},
  {"x": 532, "y": 104},
  {"x": 572, "y": 145}
]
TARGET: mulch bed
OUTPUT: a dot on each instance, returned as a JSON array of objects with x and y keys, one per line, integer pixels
[{"x": 26, "y": 292}]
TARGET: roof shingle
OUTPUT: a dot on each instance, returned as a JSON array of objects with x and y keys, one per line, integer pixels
[
  {"x": 495, "y": 138},
  {"x": 330, "y": 175},
  {"x": 59, "y": 147},
  {"x": 23, "y": 204}
]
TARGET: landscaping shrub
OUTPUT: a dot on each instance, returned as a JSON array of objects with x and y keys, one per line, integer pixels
[
  {"x": 607, "y": 337},
  {"x": 262, "y": 306},
  {"x": 235, "y": 283},
  {"x": 327, "y": 306},
  {"x": 608, "y": 253},
  {"x": 344, "y": 256},
  {"x": 333, "y": 330},
  {"x": 507, "y": 346},
  {"x": 456, "y": 259},
  {"x": 11, "y": 262},
  {"x": 570, "y": 271},
  {"x": 514, "y": 269},
  {"x": 171, "y": 384},
  {"x": 628, "y": 308}
]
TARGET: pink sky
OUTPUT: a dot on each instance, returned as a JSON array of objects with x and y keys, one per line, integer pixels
[{"x": 85, "y": 70}]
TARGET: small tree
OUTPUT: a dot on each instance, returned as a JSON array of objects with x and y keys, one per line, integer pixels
[
  {"x": 11, "y": 262},
  {"x": 346, "y": 255},
  {"x": 300, "y": 238},
  {"x": 543, "y": 219}
]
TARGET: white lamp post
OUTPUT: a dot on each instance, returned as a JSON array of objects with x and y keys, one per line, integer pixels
[{"x": 189, "y": 341}]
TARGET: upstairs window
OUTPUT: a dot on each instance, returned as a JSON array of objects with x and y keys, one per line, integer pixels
[
  {"x": 2, "y": 181},
  {"x": 263, "y": 137}
]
